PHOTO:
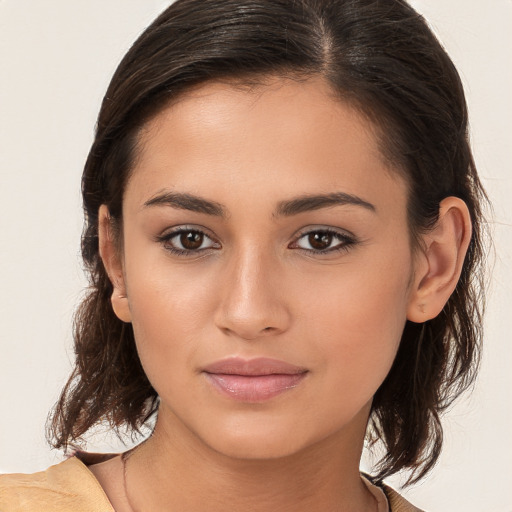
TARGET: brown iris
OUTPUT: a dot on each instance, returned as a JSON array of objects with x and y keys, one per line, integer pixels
[
  {"x": 320, "y": 240},
  {"x": 191, "y": 240}
]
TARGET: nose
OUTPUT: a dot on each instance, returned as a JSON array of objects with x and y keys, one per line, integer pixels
[{"x": 253, "y": 297}]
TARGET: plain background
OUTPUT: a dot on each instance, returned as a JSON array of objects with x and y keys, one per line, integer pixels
[{"x": 56, "y": 58}]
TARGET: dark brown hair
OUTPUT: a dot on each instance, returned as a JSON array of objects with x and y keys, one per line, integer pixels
[{"x": 381, "y": 57}]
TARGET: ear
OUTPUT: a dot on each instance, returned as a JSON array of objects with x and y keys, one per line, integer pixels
[
  {"x": 112, "y": 261},
  {"x": 439, "y": 264}
]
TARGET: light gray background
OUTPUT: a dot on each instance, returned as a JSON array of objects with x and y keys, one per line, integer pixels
[{"x": 56, "y": 58}]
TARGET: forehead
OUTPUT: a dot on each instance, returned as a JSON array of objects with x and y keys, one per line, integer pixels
[
  {"x": 271, "y": 103},
  {"x": 294, "y": 134}
]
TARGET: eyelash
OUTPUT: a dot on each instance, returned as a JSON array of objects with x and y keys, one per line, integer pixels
[{"x": 346, "y": 241}]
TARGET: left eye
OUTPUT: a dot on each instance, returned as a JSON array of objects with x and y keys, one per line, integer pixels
[{"x": 323, "y": 240}]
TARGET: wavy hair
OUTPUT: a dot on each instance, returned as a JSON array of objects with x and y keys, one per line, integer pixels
[{"x": 379, "y": 56}]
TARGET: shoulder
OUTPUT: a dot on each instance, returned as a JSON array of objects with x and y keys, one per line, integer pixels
[
  {"x": 398, "y": 503},
  {"x": 62, "y": 487}
]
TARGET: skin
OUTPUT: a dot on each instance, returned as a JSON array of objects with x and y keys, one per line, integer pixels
[{"x": 256, "y": 288}]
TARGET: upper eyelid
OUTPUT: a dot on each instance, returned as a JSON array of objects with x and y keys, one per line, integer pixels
[
  {"x": 304, "y": 231},
  {"x": 336, "y": 231},
  {"x": 169, "y": 232}
]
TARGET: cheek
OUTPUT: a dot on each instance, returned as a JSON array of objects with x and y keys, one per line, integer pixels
[
  {"x": 356, "y": 320},
  {"x": 170, "y": 311}
]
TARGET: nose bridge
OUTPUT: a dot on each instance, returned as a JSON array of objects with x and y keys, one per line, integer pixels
[{"x": 252, "y": 304}]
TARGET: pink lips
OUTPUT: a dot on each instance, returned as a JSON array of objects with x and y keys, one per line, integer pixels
[{"x": 254, "y": 380}]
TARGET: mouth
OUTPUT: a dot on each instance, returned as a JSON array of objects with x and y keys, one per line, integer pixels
[{"x": 254, "y": 380}]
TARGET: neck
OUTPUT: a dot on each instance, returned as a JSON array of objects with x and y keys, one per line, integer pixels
[{"x": 173, "y": 471}]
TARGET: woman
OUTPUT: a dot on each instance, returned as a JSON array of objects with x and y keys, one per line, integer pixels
[{"x": 283, "y": 233}]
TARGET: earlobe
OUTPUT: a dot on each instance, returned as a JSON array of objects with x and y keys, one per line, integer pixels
[
  {"x": 112, "y": 262},
  {"x": 440, "y": 264}
]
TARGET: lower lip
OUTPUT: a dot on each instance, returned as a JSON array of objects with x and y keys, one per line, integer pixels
[{"x": 254, "y": 388}]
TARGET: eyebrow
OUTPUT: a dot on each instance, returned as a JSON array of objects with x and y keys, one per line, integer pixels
[{"x": 285, "y": 208}]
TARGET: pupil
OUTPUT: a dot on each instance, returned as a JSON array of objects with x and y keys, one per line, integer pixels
[
  {"x": 320, "y": 240},
  {"x": 191, "y": 240}
]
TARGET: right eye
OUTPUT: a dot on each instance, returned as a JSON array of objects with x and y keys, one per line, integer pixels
[{"x": 185, "y": 241}]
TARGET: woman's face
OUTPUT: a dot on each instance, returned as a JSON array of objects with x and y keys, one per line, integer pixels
[{"x": 265, "y": 224}]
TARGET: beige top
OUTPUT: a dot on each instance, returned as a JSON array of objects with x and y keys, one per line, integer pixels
[
  {"x": 71, "y": 486},
  {"x": 378, "y": 494}
]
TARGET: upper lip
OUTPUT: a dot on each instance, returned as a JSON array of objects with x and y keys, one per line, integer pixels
[{"x": 257, "y": 366}]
